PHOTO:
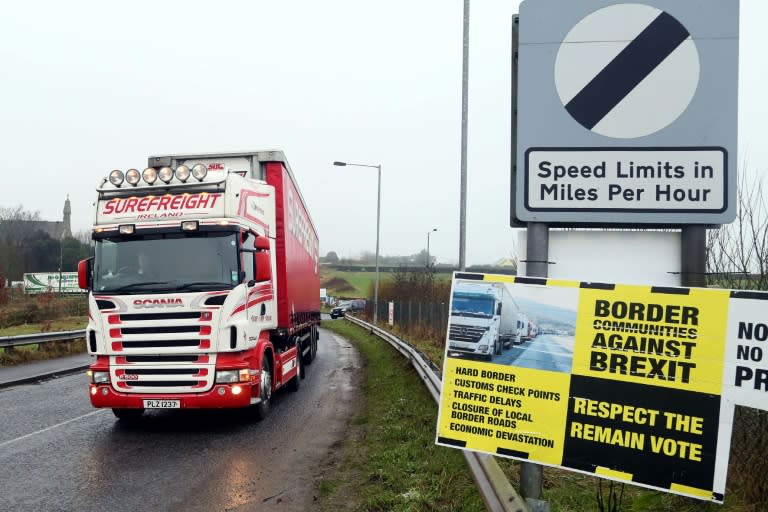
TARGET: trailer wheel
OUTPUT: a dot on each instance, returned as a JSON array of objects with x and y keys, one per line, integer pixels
[
  {"x": 127, "y": 415},
  {"x": 265, "y": 390}
]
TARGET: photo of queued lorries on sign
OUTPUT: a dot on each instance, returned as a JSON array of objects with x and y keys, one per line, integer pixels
[{"x": 512, "y": 324}]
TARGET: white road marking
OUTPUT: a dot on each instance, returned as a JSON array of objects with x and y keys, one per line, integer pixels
[{"x": 25, "y": 436}]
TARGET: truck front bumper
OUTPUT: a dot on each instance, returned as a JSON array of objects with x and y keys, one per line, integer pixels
[
  {"x": 221, "y": 396},
  {"x": 474, "y": 349}
]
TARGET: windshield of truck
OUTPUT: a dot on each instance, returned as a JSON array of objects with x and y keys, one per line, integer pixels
[
  {"x": 169, "y": 262},
  {"x": 480, "y": 307}
]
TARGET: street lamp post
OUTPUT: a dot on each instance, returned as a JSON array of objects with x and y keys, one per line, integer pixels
[
  {"x": 378, "y": 224},
  {"x": 429, "y": 233}
]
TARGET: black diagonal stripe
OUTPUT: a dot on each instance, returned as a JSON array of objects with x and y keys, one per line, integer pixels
[{"x": 627, "y": 70}]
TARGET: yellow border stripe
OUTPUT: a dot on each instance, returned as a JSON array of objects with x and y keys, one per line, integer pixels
[
  {"x": 612, "y": 473},
  {"x": 502, "y": 278},
  {"x": 563, "y": 284},
  {"x": 692, "y": 491}
]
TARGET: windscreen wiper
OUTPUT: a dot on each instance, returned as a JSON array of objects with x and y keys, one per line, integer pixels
[
  {"x": 203, "y": 285},
  {"x": 137, "y": 285}
]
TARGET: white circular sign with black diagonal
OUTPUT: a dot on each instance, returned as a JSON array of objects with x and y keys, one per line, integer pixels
[{"x": 627, "y": 70}]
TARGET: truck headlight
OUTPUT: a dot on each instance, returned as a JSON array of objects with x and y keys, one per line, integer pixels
[
  {"x": 199, "y": 171},
  {"x": 165, "y": 174},
  {"x": 182, "y": 173},
  {"x": 232, "y": 376},
  {"x": 149, "y": 175},
  {"x": 96, "y": 377},
  {"x": 482, "y": 348},
  {"x": 116, "y": 177},
  {"x": 132, "y": 176}
]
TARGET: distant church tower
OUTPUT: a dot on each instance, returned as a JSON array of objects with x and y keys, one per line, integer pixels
[{"x": 67, "y": 228}]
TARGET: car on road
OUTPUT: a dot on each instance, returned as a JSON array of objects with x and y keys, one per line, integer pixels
[{"x": 351, "y": 306}]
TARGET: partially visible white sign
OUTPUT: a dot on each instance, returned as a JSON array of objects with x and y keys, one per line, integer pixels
[
  {"x": 631, "y": 257},
  {"x": 41, "y": 282}
]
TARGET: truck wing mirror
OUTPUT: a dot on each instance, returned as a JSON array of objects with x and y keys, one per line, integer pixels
[
  {"x": 262, "y": 260},
  {"x": 263, "y": 266},
  {"x": 85, "y": 273}
]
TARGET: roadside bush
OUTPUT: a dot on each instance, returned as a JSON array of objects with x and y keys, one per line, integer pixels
[
  {"x": 3, "y": 291},
  {"x": 24, "y": 315},
  {"x": 24, "y": 309}
]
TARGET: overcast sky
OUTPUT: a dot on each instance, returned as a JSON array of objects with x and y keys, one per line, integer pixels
[{"x": 91, "y": 86}]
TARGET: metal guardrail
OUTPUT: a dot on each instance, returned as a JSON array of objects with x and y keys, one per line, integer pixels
[
  {"x": 495, "y": 490},
  {"x": 39, "y": 338}
]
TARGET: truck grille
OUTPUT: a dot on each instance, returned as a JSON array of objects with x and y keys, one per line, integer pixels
[
  {"x": 166, "y": 379},
  {"x": 466, "y": 333},
  {"x": 161, "y": 353}
]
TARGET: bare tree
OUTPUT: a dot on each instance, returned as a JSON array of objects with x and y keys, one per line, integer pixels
[
  {"x": 737, "y": 253},
  {"x": 84, "y": 237},
  {"x": 14, "y": 231},
  {"x": 14, "y": 227}
]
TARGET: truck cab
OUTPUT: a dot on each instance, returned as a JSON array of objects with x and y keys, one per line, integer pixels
[{"x": 483, "y": 320}]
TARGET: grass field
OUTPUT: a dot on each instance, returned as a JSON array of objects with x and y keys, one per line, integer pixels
[
  {"x": 349, "y": 284},
  {"x": 356, "y": 284}
]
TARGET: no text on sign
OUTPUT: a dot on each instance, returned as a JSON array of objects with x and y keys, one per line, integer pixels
[
  {"x": 641, "y": 77},
  {"x": 638, "y": 98}
]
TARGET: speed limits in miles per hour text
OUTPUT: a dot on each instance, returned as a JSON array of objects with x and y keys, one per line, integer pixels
[{"x": 620, "y": 179}]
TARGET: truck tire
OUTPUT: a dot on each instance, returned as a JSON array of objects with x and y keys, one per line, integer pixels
[
  {"x": 127, "y": 415},
  {"x": 295, "y": 383},
  {"x": 315, "y": 338},
  {"x": 499, "y": 344},
  {"x": 312, "y": 352},
  {"x": 265, "y": 390}
]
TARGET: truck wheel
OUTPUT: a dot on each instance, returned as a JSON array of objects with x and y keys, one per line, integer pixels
[
  {"x": 312, "y": 352},
  {"x": 265, "y": 390},
  {"x": 499, "y": 344},
  {"x": 314, "y": 341},
  {"x": 128, "y": 415},
  {"x": 295, "y": 383}
]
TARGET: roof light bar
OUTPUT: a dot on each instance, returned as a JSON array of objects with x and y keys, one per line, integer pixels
[{"x": 150, "y": 175}]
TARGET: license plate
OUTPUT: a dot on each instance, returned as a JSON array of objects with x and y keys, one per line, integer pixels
[{"x": 162, "y": 404}]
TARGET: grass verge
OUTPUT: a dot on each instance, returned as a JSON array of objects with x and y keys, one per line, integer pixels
[
  {"x": 70, "y": 323},
  {"x": 389, "y": 459},
  {"x": 49, "y": 350}
]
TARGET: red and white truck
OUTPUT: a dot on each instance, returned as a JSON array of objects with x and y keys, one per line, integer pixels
[{"x": 204, "y": 287}]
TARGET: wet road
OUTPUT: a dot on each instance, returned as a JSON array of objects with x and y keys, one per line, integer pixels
[
  {"x": 57, "y": 453},
  {"x": 544, "y": 352}
]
